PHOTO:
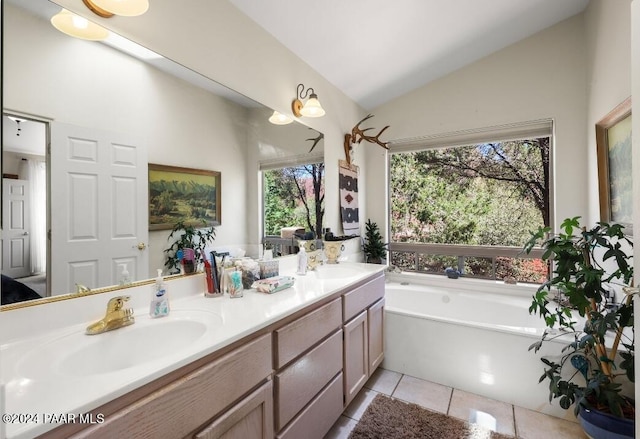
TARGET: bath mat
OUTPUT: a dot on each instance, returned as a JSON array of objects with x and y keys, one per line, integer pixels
[{"x": 388, "y": 418}]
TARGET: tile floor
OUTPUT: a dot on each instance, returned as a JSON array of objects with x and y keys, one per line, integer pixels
[{"x": 499, "y": 416}]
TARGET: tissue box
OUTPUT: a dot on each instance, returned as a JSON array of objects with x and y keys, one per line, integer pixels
[
  {"x": 269, "y": 268},
  {"x": 273, "y": 285}
]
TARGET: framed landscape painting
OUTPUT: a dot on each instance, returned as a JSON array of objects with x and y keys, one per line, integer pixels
[
  {"x": 183, "y": 194},
  {"x": 615, "y": 178}
]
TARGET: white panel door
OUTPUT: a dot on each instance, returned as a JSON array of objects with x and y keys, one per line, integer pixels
[
  {"x": 99, "y": 207},
  {"x": 16, "y": 260}
]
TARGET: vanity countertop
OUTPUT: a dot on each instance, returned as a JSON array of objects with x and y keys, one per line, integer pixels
[{"x": 45, "y": 375}]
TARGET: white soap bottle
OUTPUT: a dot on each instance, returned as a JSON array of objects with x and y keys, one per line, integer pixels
[
  {"x": 302, "y": 261},
  {"x": 159, "y": 306},
  {"x": 125, "y": 279}
]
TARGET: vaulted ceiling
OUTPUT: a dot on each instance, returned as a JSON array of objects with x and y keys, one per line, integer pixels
[{"x": 376, "y": 50}]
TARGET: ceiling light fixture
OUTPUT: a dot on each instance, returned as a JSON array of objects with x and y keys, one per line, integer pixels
[
  {"x": 75, "y": 26},
  {"x": 279, "y": 118},
  {"x": 311, "y": 108},
  {"x": 126, "y": 8}
]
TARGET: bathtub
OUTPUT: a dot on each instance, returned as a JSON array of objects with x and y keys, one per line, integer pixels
[{"x": 468, "y": 334}]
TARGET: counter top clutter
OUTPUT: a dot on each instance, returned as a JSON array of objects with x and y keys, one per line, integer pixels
[{"x": 52, "y": 371}]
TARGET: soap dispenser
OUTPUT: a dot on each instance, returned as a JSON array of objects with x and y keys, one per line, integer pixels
[
  {"x": 302, "y": 261},
  {"x": 124, "y": 276},
  {"x": 159, "y": 306}
]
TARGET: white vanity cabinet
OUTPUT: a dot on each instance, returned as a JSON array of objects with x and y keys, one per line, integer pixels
[
  {"x": 182, "y": 407},
  {"x": 363, "y": 316},
  {"x": 289, "y": 379}
]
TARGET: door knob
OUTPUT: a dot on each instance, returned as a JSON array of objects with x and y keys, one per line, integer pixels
[
  {"x": 26, "y": 233},
  {"x": 142, "y": 246}
]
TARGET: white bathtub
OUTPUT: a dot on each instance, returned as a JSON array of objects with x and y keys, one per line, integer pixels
[{"x": 468, "y": 334}]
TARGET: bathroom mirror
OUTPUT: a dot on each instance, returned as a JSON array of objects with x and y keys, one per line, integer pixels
[{"x": 183, "y": 118}]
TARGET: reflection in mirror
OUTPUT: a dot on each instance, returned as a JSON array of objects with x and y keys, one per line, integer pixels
[{"x": 174, "y": 117}]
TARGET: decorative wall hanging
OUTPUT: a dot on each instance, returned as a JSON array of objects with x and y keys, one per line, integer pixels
[
  {"x": 183, "y": 194},
  {"x": 615, "y": 177},
  {"x": 349, "y": 210},
  {"x": 357, "y": 135}
]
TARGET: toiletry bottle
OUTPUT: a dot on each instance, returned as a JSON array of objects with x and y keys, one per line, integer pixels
[
  {"x": 124, "y": 276},
  {"x": 159, "y": 306},
  {"x": 302, "y": 261}
]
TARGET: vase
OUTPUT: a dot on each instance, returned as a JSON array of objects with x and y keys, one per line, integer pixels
[{"x": 599, "y": 425}]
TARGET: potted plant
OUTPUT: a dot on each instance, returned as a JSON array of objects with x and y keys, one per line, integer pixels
[
  {"x": 599, "y": 353},
  {"x": 375, "y": 250},
  {"x": 188, "y": 236}
]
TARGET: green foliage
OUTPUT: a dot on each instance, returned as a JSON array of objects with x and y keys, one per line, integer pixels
[
  {"x": 374, "y": 247},
  {"x": 488, "y": 194},
  {"x": 188, "y": 237},
  {"x": 586, "y": 263},
  {"x": 294, "y": 197}
]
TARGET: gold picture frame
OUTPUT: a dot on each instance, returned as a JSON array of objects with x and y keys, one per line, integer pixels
[
  {"x": 183, "y": 194},
  {"x": 613, "y": 141}
]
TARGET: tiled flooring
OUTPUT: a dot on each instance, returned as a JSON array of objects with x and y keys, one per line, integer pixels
[{"x": 496, "y": 415}]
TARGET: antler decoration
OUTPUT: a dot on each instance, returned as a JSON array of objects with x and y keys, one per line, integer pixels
[
  {"x": 316, "y": 140},
  {"x": 358, "y": 134}
]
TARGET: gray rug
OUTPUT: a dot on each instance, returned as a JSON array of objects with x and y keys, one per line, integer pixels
[{"x": 388, "y": 418}]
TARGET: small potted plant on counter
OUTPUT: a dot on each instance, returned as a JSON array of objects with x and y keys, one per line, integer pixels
[
  {"x": 375, "y": 250},
  {"x": 589, "y": 268},
  {"x": 188, "y": 236}
]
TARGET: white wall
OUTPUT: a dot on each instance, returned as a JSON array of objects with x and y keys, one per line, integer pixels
[
  {"x": 217, "y": 40},
  {"x": 564, "y": 72},
  {"x": 540, "y": 77},
  {"x": 49, "y": 74},
  {"x": 608, "y": 45}
]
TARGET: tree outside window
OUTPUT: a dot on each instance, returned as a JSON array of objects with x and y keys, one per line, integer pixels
[
  {"x": 489, "y": 194},
  {"x": 294, "y": 196}
]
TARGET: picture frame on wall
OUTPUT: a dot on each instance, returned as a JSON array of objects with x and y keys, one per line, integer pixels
[
  {"x": 615, "y": 176},
  {"x": 183, "y": 194}
]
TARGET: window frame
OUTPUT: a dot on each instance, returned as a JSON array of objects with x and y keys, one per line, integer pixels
[
  {"x": 281, "y": 163},
  {"x": 508, "y": 132}
]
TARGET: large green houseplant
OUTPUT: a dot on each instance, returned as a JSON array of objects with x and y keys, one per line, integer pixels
[{"x": 599, "y": 353}]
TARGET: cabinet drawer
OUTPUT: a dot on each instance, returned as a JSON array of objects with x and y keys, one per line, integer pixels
[
  {"x": 298, "y": 336},
  {"x": 360, "y": 298},
  {"x": 184, "y": 405},
  {"x": 318, "y": 417},
  {"x": 301, "y": 381}
]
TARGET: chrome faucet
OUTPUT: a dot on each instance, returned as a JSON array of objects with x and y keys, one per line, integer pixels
[{"x": 116, "y": 317}]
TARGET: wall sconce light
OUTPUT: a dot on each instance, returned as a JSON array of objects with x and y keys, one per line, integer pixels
[
  {"x": 279, "y": 119},
  {"x": 109, "y": 8},
  {"x": 311, "y": 108},
  {"x": 79, "y": 27}
]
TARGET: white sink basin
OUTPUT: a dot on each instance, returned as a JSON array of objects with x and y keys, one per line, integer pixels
[
  {"x": 78, "y": 354},
  {"x": 337, "y": 271}
]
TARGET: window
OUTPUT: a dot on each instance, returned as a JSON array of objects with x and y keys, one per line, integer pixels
[
  {"x": 471, "y": 206},
  {"x": 293, "y": 196}
]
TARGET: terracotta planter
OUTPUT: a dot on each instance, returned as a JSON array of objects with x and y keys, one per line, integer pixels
[{"x": 600, "y": 425}]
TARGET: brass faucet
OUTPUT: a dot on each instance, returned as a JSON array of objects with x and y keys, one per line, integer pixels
[{"x": 117, "y": 316}]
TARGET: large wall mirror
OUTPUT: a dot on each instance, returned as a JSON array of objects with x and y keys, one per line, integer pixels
[{"x": 58, "y": 88}]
